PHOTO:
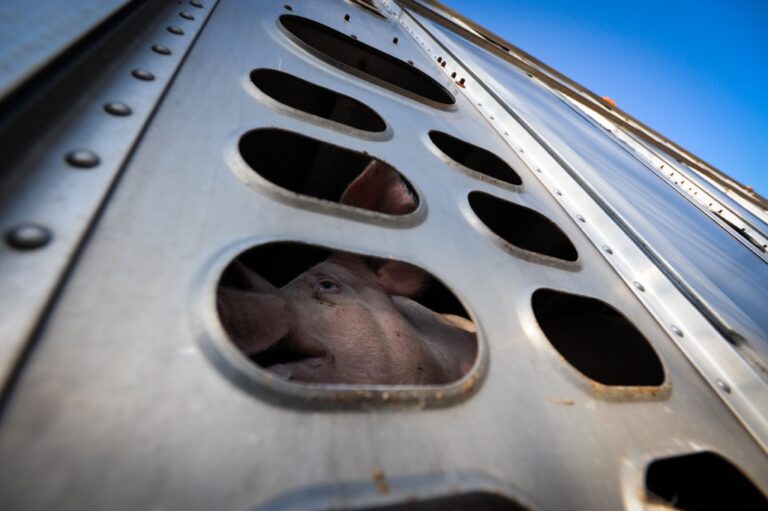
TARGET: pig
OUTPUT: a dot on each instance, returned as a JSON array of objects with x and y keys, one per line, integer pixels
[{"x": 350, "y": 319}]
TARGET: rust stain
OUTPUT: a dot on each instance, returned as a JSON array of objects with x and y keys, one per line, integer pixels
[
  {"x": 380, "y": 480},
  {"x": 468, "y": 385},
  {"x": 628, "y": 392},
  {"x": 564, "y": 402}
]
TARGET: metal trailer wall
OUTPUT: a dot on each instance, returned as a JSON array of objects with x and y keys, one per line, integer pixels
[{"x": 123, "y": 391}]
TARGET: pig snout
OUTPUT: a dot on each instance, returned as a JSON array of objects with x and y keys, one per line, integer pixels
[{"x": 254, "y": 321}]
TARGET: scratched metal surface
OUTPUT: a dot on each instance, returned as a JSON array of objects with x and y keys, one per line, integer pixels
[{"x": 119, "y": 407}]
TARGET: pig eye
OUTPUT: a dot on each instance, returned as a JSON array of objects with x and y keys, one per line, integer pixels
[{"x": 327, "y": 286}]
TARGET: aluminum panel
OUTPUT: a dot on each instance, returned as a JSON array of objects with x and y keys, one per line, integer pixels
[
  {"x": 120, "y": 408},
  {"x": 34, "y": 32},
  {"x": 730, "y": 279}
]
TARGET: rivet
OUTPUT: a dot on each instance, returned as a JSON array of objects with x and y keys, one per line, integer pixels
[
  {"x": 558, "y": 192},
  {"x": 117, "y": 108},
  {"x": 162, "y": 50},
  {"x": 444, "y": 63},
  {"x": 453, "y": 75},
  {"x": 173, "y": 29},
  {"x": 195, "y": 3},
  {"x": 461, "y": 81},
  {"x": 346, "y": 17},
  {"x": 538, "y": 169},
  {"x": 143, "y": 74},
  {"x": 520, "y": 149},
  {"x": 580, "y": 218},
  {"x": 506, "y": 133},
  {"x": 439, "y": 59},
  {"x": 82, "y": 158},
  {"x": 638, "y": 286},
  {"x": 676, "y": 331},
  {"x": 187, "y": 15},
  {"x": 353, "y": 36},
  {"x": 395, "y": 40},
  {"x": 723, "y": 386},
  {"x": 491, "y": 117},
  {"x": 28, "y": 236},
  {"x": 608, "y": 250}
]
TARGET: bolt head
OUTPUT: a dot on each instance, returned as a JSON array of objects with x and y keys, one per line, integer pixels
[
  {"x": 162, "y": 50},
  {"x": 143, "y": 74},
  {"x": 117, "y": 108},
  {"x": 173, "y": 29},
  {"x": 187, "y": 15},
  {"x": 195, "y": 3},
  {"x": 608, "y": 250},
  {"x": 82, "y": 158},
  {"x": 723, "y": 386},
  {"x": 676, "y": 330},
  {"x": 638, "y": 286},
  {"x": 580, "y": 218},
  {"x": 28, "y": 236}
]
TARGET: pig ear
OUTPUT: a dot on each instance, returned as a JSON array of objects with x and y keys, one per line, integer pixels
[
  {"x": 379, "y": 188},
  {"x": 250, "y": 280},
  {"x": 401, "y": 279}
]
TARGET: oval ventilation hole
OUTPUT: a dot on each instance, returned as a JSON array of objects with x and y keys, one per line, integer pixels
[
  {"x": 597, "y": 340},
  {"x": 369, "y": 7},
  {"x": 479, "y": 501},
  {"x": 522, "y": 227},
  {"x": 309, "y": 314},
  {"x": 372, "y": 64},
  {"x": 324, "y": 171},
  {"x": 315, "y": 100},
  {"x": 475, "y": 158},
  {"x": 701, "y": 481}
]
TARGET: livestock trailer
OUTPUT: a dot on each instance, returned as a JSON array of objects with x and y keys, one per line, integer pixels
[{"x": 158, "y": 155}]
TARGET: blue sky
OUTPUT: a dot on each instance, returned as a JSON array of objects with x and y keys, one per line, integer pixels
[{"x": 697, "y": 72}]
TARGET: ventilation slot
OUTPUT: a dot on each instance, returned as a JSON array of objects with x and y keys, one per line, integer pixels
[
  {"x": 701, "y": 481},
  {"x": 522, "y": 227},
  {"x": 308, "y": 314},
  {"x": 597, "y": 340},
  {"x": 317, "y": 169},
  {"x": 315, "y": 100},
  {"x": 471, "y": 501},
  {"x": 475, "y": 158},
  {"x": 368, "y": 62},
  {"x": 369, "y": 7}
]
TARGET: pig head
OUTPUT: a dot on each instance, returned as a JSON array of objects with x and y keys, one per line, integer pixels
[{"x": 349, "y": 319}]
